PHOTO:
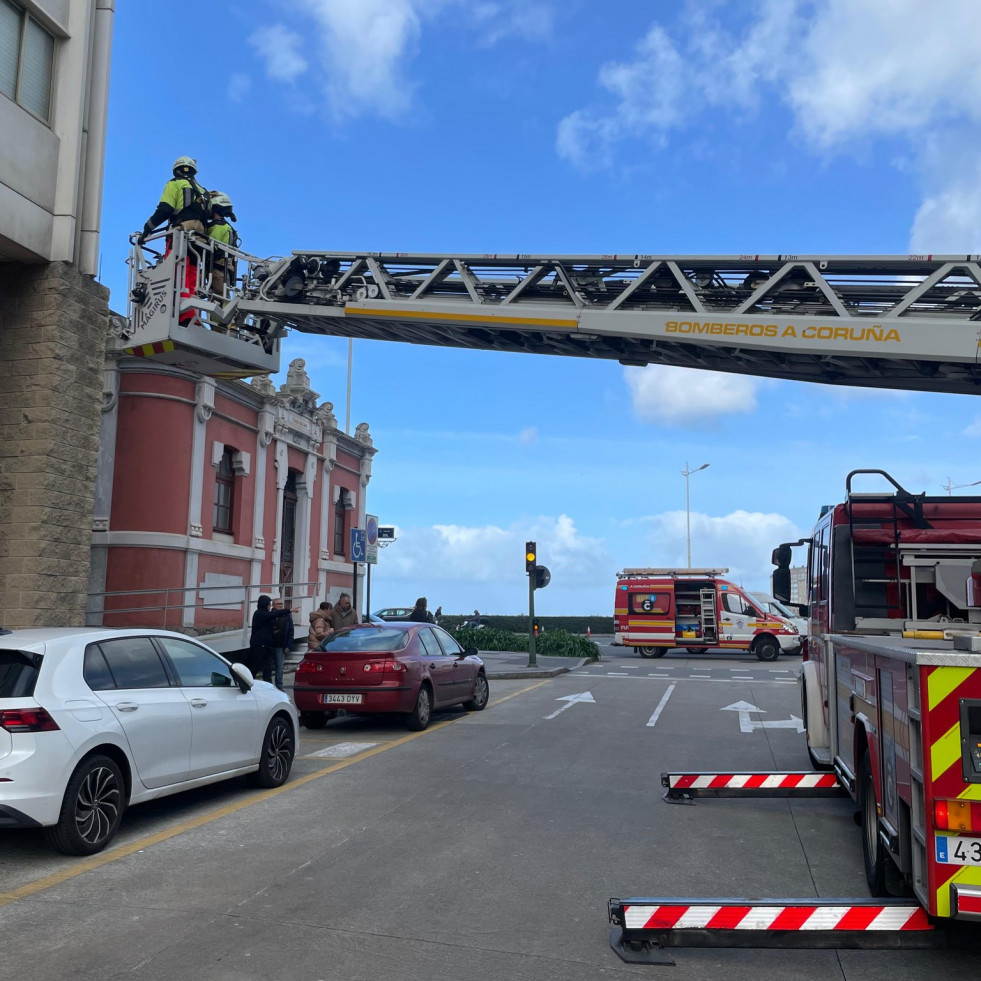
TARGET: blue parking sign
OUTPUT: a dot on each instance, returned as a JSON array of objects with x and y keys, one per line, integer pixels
[{"x": 358, "y": 545}]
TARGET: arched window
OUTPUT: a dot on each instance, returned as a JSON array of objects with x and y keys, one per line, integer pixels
[{"x": 224, "y": 493}]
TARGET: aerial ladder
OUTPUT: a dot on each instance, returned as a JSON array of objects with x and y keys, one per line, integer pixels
[{"x": 906, "y": 322}]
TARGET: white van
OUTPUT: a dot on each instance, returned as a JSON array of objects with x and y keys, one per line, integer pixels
[{"x": 776, "y": 608}]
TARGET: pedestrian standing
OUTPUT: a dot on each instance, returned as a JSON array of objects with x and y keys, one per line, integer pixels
[
  {"x": 420, "y": 614},
  {"x": 282, "y": 632},
  {"x": 261, "y": 638},
  {"x": 320, "y": 628},
  {"x": 343, "y": 614}
]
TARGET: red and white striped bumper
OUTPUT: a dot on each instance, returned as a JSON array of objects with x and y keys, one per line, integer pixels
[{"x": 685, "y": 786}]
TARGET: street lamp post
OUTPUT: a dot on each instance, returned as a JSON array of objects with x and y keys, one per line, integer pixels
[{"x": 686, "y": 473}]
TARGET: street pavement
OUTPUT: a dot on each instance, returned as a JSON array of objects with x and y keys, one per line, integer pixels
[{"x": 483, "y": 848}]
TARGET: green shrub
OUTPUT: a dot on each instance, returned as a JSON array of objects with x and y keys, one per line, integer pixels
[{"x": 552, "y": 643}]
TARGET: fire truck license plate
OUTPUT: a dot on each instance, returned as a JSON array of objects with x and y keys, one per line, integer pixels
[
  {"x": 342, "y": 699},
  {"x": 958, "y": 851}
]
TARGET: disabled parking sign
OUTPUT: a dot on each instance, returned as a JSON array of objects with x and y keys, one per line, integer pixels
[{"x": 358, "y": 546}]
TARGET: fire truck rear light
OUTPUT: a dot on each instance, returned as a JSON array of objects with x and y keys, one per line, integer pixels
[
  {"x": 955, "y": 815},
  {"x": 27, "y": 720}
]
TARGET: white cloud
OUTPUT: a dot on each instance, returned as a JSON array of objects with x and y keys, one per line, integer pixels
[
  {"x": 489, "y": 554},
  {"x": 741, "y": 542},
  {"x": 523, "y": 19},
  {"x": 238, "y": 86},
  {"x": 687, "y": 396},
  {"x": 848, "y": 70},
  {"x": 280, "y": 50}
]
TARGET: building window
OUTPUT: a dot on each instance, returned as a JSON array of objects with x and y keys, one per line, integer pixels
[
  {"x": 340, "y": 547},
  {"x": 224, "y": 492},
  {"x": 26, "y": 60}
]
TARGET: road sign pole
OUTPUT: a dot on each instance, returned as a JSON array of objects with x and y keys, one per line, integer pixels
[
  {"x": 354, "y": 588},
  {"x": 532, "y": 659},
  {"x": 367, "y": 589}
]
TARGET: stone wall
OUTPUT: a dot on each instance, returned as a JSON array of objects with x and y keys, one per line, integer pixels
[{"x": 53, "y": 328}]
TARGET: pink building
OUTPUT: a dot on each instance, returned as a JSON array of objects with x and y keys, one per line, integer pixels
[{"x": 210, "y": 492}]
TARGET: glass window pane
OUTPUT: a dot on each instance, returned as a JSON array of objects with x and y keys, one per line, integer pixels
[
  {"x": 196, "y": 667},
  {"x": 95, "y": 671},
  {"x": 35, "y": 75},
  {"x": 10, "y": 21},
  {"x": 135, "y": 663},
  {"x": 18, "y": 672},
  {"x": 449, "y": 645}
]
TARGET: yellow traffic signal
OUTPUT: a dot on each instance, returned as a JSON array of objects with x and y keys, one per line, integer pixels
[{"x": 531, "y": 557}]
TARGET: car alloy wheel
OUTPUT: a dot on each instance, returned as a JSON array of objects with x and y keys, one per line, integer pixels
[
  {"x": 481, "y": 693},
  {"x": 418, "y": 718},
  {"x": 276, "y": 760},
  {"x": 91, "y": 810}
]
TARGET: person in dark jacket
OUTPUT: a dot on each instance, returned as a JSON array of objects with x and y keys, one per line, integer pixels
[
  {"x": 419, "y": 612},
  {"x": 282, "y": 631},
  {"x": 261, "y": 641}
]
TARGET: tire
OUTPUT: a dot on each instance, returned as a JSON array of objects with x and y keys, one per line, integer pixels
[
  {"x": 418, "y": 718},
  {"x": 652, "y": 651},
  {"x": 481, "y": 694},
  {"x": 695, "y": 650},
  {"x": 278, "y": 750},
  {"x": 873, "y": 851},
  {"x": 93, "y": 806},
  {"x": 314, "y": 720},
  {"x": 805, "y": 719},
  {"x": 767, "y": 649}
]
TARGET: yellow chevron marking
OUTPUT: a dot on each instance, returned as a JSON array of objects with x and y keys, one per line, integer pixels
[
  {"x": 969, "y": 875},
  {"x": 945, "y": 751},
  {"x": 943, "y": 681},
  {"x": 970, "y": 792}
]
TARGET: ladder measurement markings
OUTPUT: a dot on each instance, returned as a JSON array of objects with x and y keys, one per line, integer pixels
[{"x": 652, "y": 721}]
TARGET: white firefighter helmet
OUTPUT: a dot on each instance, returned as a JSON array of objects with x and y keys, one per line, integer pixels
[
  {"x": 222, "y": 203},
  {"x": 183, "y": 164}
]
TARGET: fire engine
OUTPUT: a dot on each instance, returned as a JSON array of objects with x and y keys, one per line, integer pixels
[
  {"x": 657, "y": 609},
  {"x": 891, "y": 683}
]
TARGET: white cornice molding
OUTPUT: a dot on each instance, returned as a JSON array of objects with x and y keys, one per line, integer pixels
[{"x": 182, "y": 543}]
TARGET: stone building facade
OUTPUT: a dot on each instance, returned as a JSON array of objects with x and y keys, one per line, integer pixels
[
  {"x": 54, "y": 318},
  {"x": 210, "y": 492}
]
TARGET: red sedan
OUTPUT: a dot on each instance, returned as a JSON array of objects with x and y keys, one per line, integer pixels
[{"x": 408, "y": 668}]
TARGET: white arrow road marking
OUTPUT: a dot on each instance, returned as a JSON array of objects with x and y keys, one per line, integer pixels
[
  {"x": 746, "y": 724},
  {"x": 571, "y": 700},
  {"x": 660, "y": 706}
]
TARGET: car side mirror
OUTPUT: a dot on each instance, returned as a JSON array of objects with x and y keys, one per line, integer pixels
[
  {"x": 243, "y": 676},
  {"x": 469, "y": 652}
]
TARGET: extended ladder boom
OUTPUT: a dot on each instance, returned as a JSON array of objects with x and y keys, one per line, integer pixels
[{"x": 909, "y": 322}]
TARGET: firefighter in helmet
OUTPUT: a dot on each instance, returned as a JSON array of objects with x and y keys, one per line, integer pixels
[
  {"x": 183, "y": 201},
  {"x": 222, "y": 233},
  {"x": 183, "y": 204}
]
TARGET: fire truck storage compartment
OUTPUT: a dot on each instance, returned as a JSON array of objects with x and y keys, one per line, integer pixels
[
  {"x": 688, "y": 609},
  {"x": 971, "y": 739}
]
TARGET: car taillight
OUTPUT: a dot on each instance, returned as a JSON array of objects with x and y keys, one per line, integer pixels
[
  {"x": 308, "y": 667},
  {"x": 956, "y": 815},
  {"x": 394, "y": 666},
  {"x": 27, "y": 720}
]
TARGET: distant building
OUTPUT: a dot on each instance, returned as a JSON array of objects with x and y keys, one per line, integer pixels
[
  {"x": 210, "y": 492},
  {"x": 798, "y": 584}
]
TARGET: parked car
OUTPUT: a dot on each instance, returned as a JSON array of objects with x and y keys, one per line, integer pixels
[
  {"x": 775, "y": 608},
  {"x": 407, "y": 668},
  {"x": 394, "y": 613},
  {"x": 93, "y": 720}
]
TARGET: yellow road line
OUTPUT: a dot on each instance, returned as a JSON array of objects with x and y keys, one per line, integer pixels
[{"x": 124, "y": 851}]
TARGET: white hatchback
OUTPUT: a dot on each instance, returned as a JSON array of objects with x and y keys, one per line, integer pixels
[{"x": 93, "y": 720}]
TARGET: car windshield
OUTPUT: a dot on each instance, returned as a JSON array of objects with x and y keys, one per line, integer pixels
[
  {"x": 18, "y": 673},
  {"x": 366, "y": 639},
  {"x": 777, "y": 607}
]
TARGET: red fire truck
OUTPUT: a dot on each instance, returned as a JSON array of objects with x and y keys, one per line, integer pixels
[
  {"x": 657, "y": 609},
  {"x": 891, "y": 682}
]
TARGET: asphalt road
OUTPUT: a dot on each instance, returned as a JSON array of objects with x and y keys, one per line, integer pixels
[{"x": 484, "y": 848}]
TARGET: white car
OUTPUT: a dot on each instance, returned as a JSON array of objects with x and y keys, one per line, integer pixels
[
  {"x": 776, "y": 608},
  {"x": 93, "y": 720}
]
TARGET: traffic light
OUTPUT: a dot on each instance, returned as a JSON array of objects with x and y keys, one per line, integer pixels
[{"x": 531, "y": 557}]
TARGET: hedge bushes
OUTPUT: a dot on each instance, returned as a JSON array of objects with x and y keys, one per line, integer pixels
[
  {"x": 519, "y": 624},
  {"x": 553, "y": 643}
]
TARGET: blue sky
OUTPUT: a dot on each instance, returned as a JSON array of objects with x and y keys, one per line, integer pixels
[{"x": 802, "y": 126}]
